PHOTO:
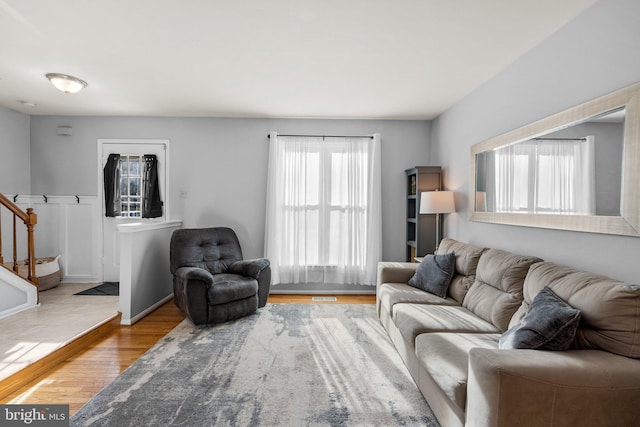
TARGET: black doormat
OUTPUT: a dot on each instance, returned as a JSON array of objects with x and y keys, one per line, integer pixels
[{"x": 106, "y": 288}]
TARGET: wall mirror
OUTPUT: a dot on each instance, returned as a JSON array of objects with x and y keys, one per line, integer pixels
[{"x": 576, "y": 170}]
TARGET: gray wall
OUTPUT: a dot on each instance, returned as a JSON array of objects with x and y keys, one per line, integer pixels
[
  {"x": 222, "y": 164},
  {"x": 591, "y": 56},
  {"x": 15, "y": 166}
]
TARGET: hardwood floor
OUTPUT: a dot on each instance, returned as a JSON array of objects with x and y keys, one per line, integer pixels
[{"x": 80, "y": 377}]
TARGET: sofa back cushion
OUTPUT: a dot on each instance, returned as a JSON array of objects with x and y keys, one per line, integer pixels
[
  {"x": 610, "y": 309},
  {"x": 496, "y": 293},
  {"x": 467, "y": 257}
]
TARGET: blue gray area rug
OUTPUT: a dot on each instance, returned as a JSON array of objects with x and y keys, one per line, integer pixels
[{"x": 286, "y": 365}]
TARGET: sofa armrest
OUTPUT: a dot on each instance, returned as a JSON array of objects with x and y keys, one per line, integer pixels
[
  {"x": 532, "y": 387},
  {"x": 259, "y": 269},
  {"x": 395, "y": 272}
]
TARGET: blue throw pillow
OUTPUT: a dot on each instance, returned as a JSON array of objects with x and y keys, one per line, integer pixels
[
  {"x": 434, "y": 274},
  {"x": 550, "y": 324}
]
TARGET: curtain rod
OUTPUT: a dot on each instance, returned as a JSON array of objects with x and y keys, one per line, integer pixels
[
  {"x": 559, "y": 139},
  {"x": 327, "y": 136}
]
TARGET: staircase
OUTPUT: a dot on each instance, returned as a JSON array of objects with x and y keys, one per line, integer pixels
[{"x": 17, "y": 293}]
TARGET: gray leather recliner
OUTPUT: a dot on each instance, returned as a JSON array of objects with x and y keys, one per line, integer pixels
[{"x": 211, "y": 281}]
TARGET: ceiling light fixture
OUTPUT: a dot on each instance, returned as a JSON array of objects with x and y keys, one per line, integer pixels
[{"x": 66, "y": 83}]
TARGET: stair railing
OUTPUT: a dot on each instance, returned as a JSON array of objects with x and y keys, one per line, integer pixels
[{"x": 30, "y": 219}]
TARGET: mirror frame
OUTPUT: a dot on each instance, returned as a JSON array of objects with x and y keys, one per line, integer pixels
[{"x": 628, "y": 223}]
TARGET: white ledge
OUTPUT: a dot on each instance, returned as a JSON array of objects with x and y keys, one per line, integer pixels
[{"x": 136, "y": 227}]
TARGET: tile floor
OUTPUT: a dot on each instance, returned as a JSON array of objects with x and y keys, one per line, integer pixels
[{"x": 28, "y": 336}]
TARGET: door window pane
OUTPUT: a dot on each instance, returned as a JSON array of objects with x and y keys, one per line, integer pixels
[{"x": 131, "y": 185}]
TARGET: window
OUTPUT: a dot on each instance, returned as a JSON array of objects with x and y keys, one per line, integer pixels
[
  {"x": 329, "y": 203},
  {"x": 323, "y": 209},
  {"x": 545, "y": 176},
  {"x": 131, "y": 185}
]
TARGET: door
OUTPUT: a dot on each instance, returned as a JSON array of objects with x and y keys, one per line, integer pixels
[{"x": 110, "y": 235}]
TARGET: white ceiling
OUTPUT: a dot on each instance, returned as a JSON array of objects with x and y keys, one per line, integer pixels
[{"x": 396, "y": 59}]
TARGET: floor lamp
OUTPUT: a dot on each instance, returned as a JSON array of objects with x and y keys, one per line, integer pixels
[{"x": 437, "y": 202}]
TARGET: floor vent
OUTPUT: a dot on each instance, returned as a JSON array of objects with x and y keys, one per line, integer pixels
[{"x": 324, "y": 299}]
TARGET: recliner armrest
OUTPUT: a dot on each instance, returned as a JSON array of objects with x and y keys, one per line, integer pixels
[
  {"x": 259, "y": 269},
  {"x": 249, "y": 267},
  {"x": 190, "y": 286},
  {"x": 575, "y": 387},
  {"x": 193, "y": 273}
]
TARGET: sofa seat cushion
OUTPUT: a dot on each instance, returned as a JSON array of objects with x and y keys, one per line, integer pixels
[
  {"x": 445, "y": 356},
  {"x": 497, "y": 291},
  {"x": 609, "y": 309},
  {"x": 467, "y": 258},
  {"x": 390, "y": 294},
  {"x": 415, "y": 319},
  {"x": 231, "y": 287}
]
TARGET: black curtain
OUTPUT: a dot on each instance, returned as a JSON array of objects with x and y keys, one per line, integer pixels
[
  {"x": 112, "y": 186},
  {"x": 151, "y": 203}
]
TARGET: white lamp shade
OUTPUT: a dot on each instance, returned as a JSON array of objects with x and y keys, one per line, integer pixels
[
  {"x": 437, "y": 202},
  {"x": 65, "y": 83}
]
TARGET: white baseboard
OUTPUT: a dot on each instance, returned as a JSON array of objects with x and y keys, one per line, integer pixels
[
  {"x": 18, "y": 309},
  {"x": 80, "y": 279}
]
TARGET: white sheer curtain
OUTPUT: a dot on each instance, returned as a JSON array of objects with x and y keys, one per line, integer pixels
[
  {"x": 323, "y": 219},
  {"x": 544, "y": 176}
]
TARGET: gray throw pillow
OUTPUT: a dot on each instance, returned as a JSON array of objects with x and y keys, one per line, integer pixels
[
  {"x": 550, "y": 324},
  {"x": 434, "y": 274}
]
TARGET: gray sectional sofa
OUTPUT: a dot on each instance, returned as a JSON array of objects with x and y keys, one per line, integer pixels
[{"x": 451, "y": 345}]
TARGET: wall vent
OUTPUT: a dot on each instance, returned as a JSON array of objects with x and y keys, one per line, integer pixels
[{"x": 324, "y": 299}]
